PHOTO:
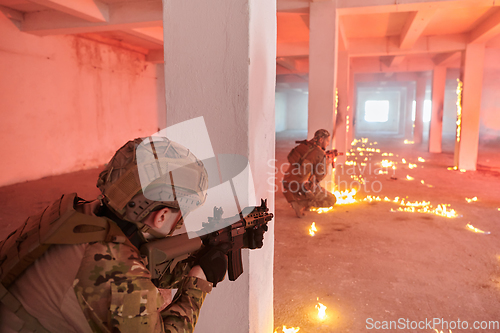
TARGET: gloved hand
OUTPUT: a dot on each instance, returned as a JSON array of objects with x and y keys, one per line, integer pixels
[
  {"x": 214, "y": 264},
  {"x": 254, "y": 238}
]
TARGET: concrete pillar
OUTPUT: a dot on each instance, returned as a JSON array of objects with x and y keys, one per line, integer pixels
[
  {"x": 418, "y": 129},
  {"x": 220, "y": 63},
  {"x": 436, "y": 126},
  {"x": 466, "y": 148},
  {"x": 352, "y": 107},
  {"x": 342, "y": 110},
  {"x": 323, "y": 46},
  {"x": 410, "y": 97}
]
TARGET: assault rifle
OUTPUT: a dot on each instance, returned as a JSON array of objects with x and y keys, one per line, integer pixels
[
  {"x": 333, "y": 153},
  {"x": 236, "y": 232}
]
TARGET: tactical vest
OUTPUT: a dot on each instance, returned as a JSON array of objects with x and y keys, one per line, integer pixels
[
  {"x": 298, "y": 154},
  {"x": 59, "y": 223}
]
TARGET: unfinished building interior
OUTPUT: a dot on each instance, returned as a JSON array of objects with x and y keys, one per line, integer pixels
[{"x": 408, "y": 88}]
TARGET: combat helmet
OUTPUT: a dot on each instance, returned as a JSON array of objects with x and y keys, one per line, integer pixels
[{"x": 150, "y": 173}]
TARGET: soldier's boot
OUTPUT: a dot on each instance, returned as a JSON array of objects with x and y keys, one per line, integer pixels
[{"x": 297, "y": 208}]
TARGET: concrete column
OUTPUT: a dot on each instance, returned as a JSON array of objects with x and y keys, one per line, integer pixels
[
  {"x": 323, "y": 46},
  {"x": 410, "y": 97},
  {"x": 342, "y": 110},
  {"x": 418, "y": 129},
  {"x": 436, "y": 126},
  {"x": 220, "y": 63},
  {"x": 466, "y": 148},
  {"x": 352, "y": 107}
]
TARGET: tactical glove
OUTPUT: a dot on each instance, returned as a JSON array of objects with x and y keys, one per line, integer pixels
[
  {"x": 254, "y": 238},
  {"x": 214, "y": 264}
]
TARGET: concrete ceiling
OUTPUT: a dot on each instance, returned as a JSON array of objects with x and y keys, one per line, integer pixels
[{"x": 380, "y": 35}]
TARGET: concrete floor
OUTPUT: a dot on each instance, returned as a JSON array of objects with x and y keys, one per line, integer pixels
[
  {"x": 368, "y": 262},
  {"x": 365, "y": 261}
]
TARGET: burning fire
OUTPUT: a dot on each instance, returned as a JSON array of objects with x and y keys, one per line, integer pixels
[
  {"x": 312, "y": 229},
  {"x": 387, "y": 163},
  {"x": 420, "y": 159},
  {"x": 459, "y": 109},
  {"x": 477, "y": 230},
  {"x": 407, "y": 142},
  {"x": 403, "y": 161},
  {"x": 345, "y": 197},
  {"x": 288, "y": 330},
  {"x": 471, "y": 200},
  {"x": 321, "y": 311},
  {"x": 412, "y": 166},
  {"x": 409, "y": 177},
  {"x": 442, "y": 331}
]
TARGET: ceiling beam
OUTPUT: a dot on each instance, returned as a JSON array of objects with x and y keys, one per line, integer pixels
[
  {"x": 151, "y": 34},
  {"x": 122, "y": 16},
  {"x": 351, "y": 7},
  {"x": 374, "y": 65},
  {"x": 89, "y": 10},
  {"x": 387, "y": 46},
  {"x": 12, "y": 14},
  {"x": 414, "y": 27},
  {"x": 487, "y": 29},
  {"x": 292, "y": 6},
  {"x": 443, "y": 57},
  {"x": 292, "y": 49}
]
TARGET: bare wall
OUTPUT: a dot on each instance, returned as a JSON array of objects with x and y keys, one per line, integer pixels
[{"x": 69, "y": 102}]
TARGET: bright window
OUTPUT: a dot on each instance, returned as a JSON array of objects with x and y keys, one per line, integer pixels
[{"x": 376, "y": 111}]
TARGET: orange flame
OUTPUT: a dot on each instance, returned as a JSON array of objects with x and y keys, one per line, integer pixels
[
  {"x": 288, "y": 330},
  {"x": 312, "y": 229},
  {"x": 409, "y": 177},
  {"x": 479, "y": 231},
  {"x": 471, "y": 200},
  {"x": 321, "y": 311},
  {"x": 420, "y": 159}
]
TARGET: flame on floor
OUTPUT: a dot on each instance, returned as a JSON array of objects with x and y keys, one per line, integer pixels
[
  {"x": 288, "y": 330},
  {"x": 408, "y": 142},
  {"x": 476, "y": 230},
  {"x": 420, "y": 159},
  {"x": 321, "y": 311},
  {"x": 312, "y": 229},
  {"x": 412, "y": 166},
  {"x": 471, "y": 199},
  {"x": 409, "y": 177}
]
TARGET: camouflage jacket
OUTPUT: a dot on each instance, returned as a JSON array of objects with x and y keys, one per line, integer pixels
[
  {"x": 114, "y": 289},
  {"x": 310, "y": 167}
]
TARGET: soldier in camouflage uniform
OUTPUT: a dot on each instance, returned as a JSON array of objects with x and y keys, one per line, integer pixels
[
  {"x": 105, "y": 286},
  {"x": 308, "y": 166}
]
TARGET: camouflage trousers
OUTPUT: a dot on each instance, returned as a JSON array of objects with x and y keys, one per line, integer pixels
[{"x": 308, "y": 194}]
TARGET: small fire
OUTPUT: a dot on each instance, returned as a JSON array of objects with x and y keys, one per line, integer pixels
[
  {"x": 403, "y": 161},
  {"x": 477, "y": 230},
  {"x": 387, "y": 163},
  {"x": 312, "y": 229},
  {"x": 321, "y": 210},
  {"x": 321, "y": 311},
  {"x": 412, "y": 166},
  {"x": 288, "y": 330},
  {"x": 442, "y": 331},
  {"x": 407, "y": 142},
  {"x": 463, "y": 170},
  {"x": 452, "y": 168},
  {"x": 345, "y": 197},
  {"x": 471, "y": 200},
  {"x": 420, "y": 159},
  {"x": 408, "y": 177}
]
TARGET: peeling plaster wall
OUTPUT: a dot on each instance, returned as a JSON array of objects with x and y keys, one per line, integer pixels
[{"x": 68, "y": 102}]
